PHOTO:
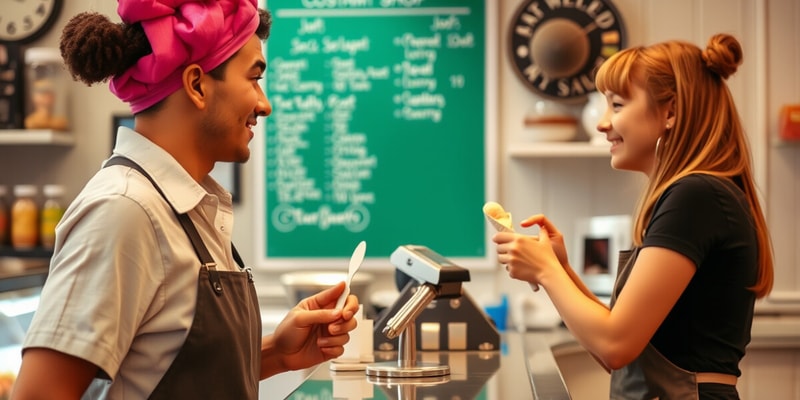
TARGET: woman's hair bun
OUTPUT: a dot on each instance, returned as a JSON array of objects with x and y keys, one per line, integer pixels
[{"x": 723, "y": 55}]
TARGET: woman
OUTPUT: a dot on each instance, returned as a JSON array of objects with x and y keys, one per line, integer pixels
[{"x": 682, "y": 307}]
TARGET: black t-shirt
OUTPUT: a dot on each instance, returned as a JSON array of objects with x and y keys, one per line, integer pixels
[{"x": 708, "y": 220}]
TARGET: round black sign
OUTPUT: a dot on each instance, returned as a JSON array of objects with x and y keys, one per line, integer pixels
[{"x": 556, "y": 45}]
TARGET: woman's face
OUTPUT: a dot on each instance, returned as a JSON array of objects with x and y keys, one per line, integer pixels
[{"x": 633, "y": 129}]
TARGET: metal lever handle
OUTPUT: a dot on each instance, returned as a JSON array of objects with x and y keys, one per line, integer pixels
[{"x": 408, "y": 313}]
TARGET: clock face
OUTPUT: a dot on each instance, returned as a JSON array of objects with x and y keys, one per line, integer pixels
[
  {"x": 556, "y": 46},
  {"x": 26, "y": 20}
]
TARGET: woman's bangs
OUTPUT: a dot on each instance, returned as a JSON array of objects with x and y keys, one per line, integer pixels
[{"x": 615, "y": 74}]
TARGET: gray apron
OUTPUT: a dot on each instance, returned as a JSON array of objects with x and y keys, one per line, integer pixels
[
  {"x": 221, "y": 356},
  {"x": 651, "y": 375}
]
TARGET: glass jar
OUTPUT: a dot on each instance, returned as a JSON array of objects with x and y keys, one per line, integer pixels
[
  {"x": 52, "y": 211},
  {"x": 46, "y": 90},
  {"x": 24, "y": 216}
]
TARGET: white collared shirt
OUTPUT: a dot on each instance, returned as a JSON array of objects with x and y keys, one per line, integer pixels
[{"x": 123, "y": 278}]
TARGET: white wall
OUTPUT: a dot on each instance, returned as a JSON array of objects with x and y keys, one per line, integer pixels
[{"x": 782, "y": 81}]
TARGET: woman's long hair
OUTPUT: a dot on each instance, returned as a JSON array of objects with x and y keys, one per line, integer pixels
[{"x": 707, "y": 138}]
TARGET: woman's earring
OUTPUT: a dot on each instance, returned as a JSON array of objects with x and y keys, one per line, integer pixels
[{"x": 668, "y": 126}]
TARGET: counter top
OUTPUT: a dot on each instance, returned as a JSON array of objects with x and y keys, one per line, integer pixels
[{"x": 525, "y": 367}]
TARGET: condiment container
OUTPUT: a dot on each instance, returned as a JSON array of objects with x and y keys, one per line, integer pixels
[
  {"x": 4, "y": 215},
  {"x": 52, "y": 211},
  {"x": 24, "y": 215},
  {"x": 46, "y": 89}
]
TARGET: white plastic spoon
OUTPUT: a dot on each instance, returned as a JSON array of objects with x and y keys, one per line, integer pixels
[{"x": 355, "y": 262}]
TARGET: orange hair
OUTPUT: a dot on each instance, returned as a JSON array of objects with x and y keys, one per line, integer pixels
[{"x": 707, "y": 138}]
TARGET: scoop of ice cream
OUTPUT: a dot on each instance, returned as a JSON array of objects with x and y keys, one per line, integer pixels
[
  {"x": 496, "y": 212},
  {"x": 501, "y": 221}
]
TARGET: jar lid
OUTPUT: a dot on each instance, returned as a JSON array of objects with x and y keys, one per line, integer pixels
[
  {"x": 53, "y": 190},
  {"x": 43, "y": 55},
  {"x": 25, "y": 190}
]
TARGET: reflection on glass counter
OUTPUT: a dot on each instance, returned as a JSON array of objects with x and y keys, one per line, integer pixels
[
  {"x": 16, "y": 311},
  {"x": 523, "y": 368},
  {"x": 470, "y": 371}
]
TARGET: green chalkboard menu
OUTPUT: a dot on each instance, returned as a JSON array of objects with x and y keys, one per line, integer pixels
[{"x": 378, "y": 129}]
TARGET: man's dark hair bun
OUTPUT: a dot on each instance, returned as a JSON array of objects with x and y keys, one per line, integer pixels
[{"x": 95, "y": 49}]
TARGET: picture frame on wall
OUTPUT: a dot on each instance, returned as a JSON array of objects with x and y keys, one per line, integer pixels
[{"x": 226, "y": 173}]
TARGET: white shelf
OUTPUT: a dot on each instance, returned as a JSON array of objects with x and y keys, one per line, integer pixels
[
  {"x": 558, "y": 149},
  {"x": 35, "y": 136}
]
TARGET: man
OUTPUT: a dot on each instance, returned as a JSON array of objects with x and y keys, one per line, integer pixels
[{"x": 134, "y": 308}]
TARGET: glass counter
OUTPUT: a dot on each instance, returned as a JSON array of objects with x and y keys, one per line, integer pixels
[
  {"x": 16, "y": 311},
  {"x": 20, "y": 288},
  {"x": 491, "y": 375}
]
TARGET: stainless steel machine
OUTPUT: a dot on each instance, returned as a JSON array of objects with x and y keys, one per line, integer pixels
[{"x": 432, "y": 313}]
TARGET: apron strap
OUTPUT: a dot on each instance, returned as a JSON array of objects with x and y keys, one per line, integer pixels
[
  {"x": 191, "y": 231},
  {"x": 716, "y": 377}
]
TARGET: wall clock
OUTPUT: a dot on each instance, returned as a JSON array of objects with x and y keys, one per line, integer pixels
[
  {"x": 556, "y": 45},
  {"x": 23, "y": 21}
]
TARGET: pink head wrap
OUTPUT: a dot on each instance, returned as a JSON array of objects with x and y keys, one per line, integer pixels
[{"x": 181, "y": 33}]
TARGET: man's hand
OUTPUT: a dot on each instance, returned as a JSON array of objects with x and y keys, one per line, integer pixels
[{"x": 313, "y": 332}]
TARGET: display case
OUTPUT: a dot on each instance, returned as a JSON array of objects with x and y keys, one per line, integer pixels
[{"x": 21, "y": 283}]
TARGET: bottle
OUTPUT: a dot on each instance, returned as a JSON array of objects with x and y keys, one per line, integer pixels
[
  {"x": 24, "y": 215},
  {"x": 4, "y": 216},
  {"x": 46, "y": 89},
  {"x": 52, "y": 211}
]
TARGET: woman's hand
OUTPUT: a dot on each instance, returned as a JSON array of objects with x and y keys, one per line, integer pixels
[
  {"x": 556, "y": 238},
  {"x": 312, "y": 332},
  {"x": 527, "y": 258}
]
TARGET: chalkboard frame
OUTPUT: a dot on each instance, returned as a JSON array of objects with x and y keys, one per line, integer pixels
[{"x": 381, "y": 263}]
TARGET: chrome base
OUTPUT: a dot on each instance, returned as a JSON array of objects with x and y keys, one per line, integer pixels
[
  {"x": 420, "y": 370},
  {"x": 407, "y": 365}
]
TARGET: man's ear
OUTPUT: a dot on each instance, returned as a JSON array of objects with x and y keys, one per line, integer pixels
[{"x": 194, "y": 80}]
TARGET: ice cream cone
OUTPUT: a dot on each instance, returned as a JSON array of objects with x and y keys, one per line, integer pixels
[{"x": 501, "y": 221}]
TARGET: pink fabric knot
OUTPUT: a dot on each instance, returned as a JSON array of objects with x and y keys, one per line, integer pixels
[{"x": 181, "y": 33}]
